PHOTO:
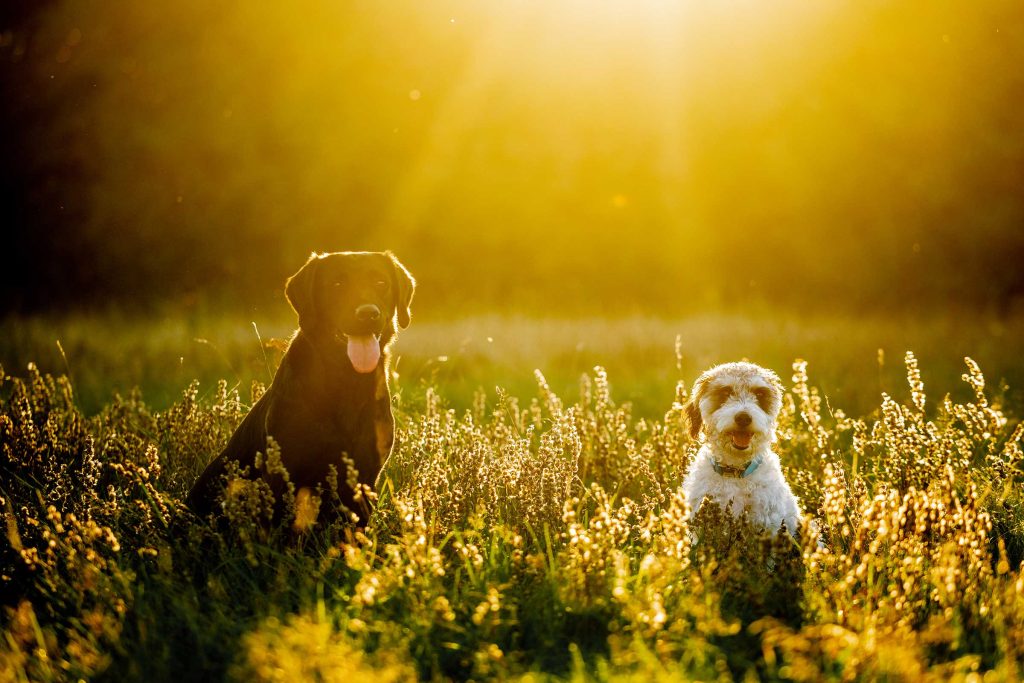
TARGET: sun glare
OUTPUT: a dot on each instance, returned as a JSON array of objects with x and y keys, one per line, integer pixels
[
  {"x": 495, "y": 128},
  {"x": 579, "y": 69}
]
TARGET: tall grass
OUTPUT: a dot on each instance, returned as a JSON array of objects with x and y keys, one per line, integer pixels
[
  {"x": 854, "y": 358},
  {"x": 533, "y": 539}
]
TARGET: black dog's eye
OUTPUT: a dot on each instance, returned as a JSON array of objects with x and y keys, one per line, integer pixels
[
  {"x": 382, "y": 285},
  {"x": 337, "y": 284}
]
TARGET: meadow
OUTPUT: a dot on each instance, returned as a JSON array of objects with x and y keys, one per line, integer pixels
[
  {"x": 598, "y": 201},
  {"x": 529, "y": 524}
]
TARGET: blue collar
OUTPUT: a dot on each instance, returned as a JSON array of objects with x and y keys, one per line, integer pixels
[{"x": 736, "y": 472}]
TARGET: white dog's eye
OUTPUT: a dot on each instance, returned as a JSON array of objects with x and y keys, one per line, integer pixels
[
  {"x": 722, "y": 394},
  {"x": 763, "y": 396}
]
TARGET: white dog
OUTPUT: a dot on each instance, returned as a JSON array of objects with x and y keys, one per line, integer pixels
[{"x": 736, "y": 406}]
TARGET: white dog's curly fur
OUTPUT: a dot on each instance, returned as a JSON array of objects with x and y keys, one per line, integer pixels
[{"x": 736, "y": 405}]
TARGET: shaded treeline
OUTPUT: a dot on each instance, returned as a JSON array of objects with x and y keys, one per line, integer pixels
[{"x": 563, "y": 156}]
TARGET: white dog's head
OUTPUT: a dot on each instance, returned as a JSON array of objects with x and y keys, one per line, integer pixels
[{"x": 736, "y": 404}]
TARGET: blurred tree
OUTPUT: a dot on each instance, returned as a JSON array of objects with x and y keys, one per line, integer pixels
[{"x": 553, "y": 156}]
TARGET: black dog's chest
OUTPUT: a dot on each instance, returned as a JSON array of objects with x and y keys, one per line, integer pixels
[
  {"x": 343, "y": 426},
  {"x": 326, "y": 422}
]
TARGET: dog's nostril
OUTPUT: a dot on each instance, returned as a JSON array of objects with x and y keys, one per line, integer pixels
[
  {"x": 743, "y": 419},
  {"x": 367, "y": 313}
]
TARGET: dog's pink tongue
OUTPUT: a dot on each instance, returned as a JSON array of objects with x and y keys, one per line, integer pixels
[
  {"x": 741, "y": 440},
  {"x": 364, "y": 352}
]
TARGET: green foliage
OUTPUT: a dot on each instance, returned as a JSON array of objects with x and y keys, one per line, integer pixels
[
  {"x": 529, "y": 540},
  {"x": 162, "y": 354}
]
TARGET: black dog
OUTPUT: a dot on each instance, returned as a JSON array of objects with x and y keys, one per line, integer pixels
[{"x": 330, "y": 395}]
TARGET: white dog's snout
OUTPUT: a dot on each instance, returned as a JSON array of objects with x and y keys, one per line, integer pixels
[{"x": 741, "y": 414}]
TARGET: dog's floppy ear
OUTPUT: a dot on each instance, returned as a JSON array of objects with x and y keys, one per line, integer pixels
[
  {"x": 405, "y": 285},
  {"x": 692, "y": 407},
  {"x": 299, "y": 290}
]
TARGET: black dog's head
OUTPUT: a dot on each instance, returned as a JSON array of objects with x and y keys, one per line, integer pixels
[{"x": 352, "y": 298}]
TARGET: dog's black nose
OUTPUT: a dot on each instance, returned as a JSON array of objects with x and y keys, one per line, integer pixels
[
  {"x": 367, "y": 313},
  {"x": 742, "y": 419}
]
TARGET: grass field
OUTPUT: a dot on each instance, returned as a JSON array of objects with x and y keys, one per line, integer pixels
[
  {"x": 534, "y": 533},
  {"x": 852, "y": 360},
  {"x": 584, "y": 206}
]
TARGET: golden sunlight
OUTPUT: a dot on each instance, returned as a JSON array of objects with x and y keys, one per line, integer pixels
[
  {"x": 581, "y": 73},
  {"x": 549, "y": 133},
  {"x": 621, "y": 340}
]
